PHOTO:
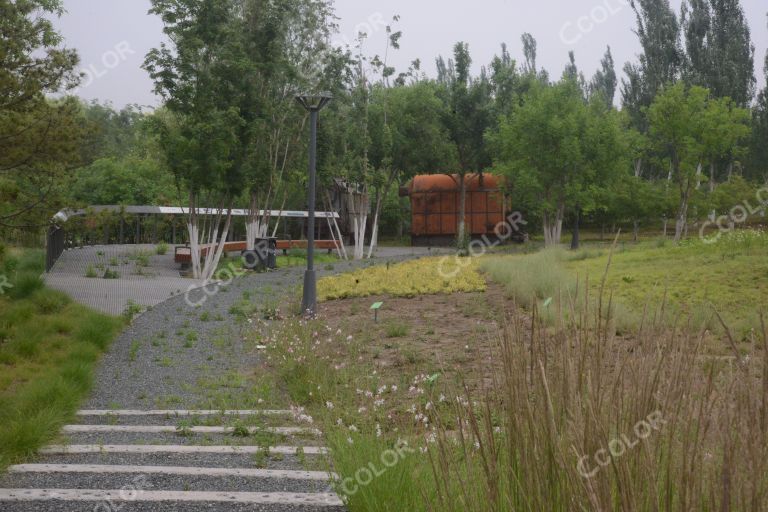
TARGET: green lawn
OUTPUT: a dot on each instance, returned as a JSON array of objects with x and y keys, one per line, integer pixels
[
  {"x": 730, "y": 276},
  {"x": 293, "y": 258},
  {"x": 48, "y": 349},
  {"x": 298, "y": 258}
]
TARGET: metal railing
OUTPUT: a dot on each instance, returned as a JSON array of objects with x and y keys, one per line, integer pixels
[{"x": 54, "y": 246}]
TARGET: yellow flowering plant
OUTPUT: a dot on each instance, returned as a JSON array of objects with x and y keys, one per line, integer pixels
[{"x": 423, "y": 276}]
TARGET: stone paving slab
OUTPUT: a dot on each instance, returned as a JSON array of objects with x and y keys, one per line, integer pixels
[{"x": 146, "y": 286}]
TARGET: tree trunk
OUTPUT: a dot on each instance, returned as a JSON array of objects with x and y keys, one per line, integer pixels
[
  {"x": 681, "y": 219},
  {"x": 635, "y": 230},
  {"x": 553, "y": 227},
  {"x": 333, "y": 235},
  {"x": 339, "y": 235},
  {"x": 360, "y": 221},
  {"x": 252, "y": 223},
  {"x": 711, "y": 177},
  {"x": 461, "y": 237},
  {"x": 277, "y": 222},
  {"x": 219, "y": 238},
  {"x": 575, "y": 242},
  {"x": 211, "y": 235},
  {"x": 638, "y": 167},
  {"x": 698, "y": 175},
  {"x": 666, "y": 223},
  {"x": 546, "y": 226},
  {"x": 380, "y": 198},
  {"x": 375, "y": 227},
  {"x": 257, "y": 224},
  {"x": 194, "y": 236}
]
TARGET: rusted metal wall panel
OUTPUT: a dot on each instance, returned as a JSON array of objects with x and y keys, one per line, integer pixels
[{"x": 435, "y": 202}]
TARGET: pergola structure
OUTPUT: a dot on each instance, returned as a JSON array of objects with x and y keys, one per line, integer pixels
[{"x": 123, "y": 230}]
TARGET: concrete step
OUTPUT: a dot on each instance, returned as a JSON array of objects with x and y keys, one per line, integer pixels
[
  {"x": 172, "y": 429},
  {"x": 171, "y": 470},
  {"x": 162, "y": 448},
  {"x": 183, "y": 412},
  {"x": 189, "y": 438},
  {"x": 272, "y": 460},
  {"x": 166, "y": 478},
  {"x": 60, "y": 500},
  {"x": 268, "y": 419}
]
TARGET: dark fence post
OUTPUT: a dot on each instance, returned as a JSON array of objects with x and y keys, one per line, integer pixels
[{"x": 54, "y": 246}]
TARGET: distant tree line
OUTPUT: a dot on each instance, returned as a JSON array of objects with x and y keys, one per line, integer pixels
[{"x": 682, "y": 136}]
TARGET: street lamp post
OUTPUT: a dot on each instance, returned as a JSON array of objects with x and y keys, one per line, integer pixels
[{"x": 313, "y": 103}]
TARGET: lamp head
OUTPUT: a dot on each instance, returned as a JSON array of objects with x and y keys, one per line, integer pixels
[{"x": 314, "y": 102}]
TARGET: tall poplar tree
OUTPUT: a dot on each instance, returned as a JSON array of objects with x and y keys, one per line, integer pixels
[
  {"x": 604, "y": 81},
  {"x": 689, "y": 129},
  {"x": 758, "y": 158},
  {"x": 660, "y": 60},
  {"x": 719, "y": 50},
  {"x": 469, "y": 108}
]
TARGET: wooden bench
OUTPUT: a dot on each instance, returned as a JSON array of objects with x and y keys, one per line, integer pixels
[
  {"x": 285, "y": 245},
  {"x": 183, "y": 253}
]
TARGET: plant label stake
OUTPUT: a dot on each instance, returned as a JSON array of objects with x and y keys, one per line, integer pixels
[{"x": 376, "y": 307}]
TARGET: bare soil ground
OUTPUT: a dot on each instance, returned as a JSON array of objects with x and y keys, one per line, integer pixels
[{"x": 456, "y": 335}]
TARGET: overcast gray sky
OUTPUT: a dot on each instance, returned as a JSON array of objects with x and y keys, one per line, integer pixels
[{"x": 112, "y": 36}]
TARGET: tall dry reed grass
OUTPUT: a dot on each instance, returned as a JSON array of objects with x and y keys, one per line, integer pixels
[{"x": 579, "y": 419}]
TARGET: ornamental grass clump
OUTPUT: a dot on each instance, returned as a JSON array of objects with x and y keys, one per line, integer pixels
[{"x": 581, "y": 419}]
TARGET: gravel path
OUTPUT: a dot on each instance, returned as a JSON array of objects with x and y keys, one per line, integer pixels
[{"x": 168, "y": 354}]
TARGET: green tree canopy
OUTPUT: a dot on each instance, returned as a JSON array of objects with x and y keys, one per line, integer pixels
[
  {"x": 688, "y": 129},
  {"x": 559, "y": 152},
  {"x": 39, "y": 138}
]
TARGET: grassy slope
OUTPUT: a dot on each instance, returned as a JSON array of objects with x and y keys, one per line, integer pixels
[
  {"x": 48, "y": 349},
  {"x": 731, "y": 275}
]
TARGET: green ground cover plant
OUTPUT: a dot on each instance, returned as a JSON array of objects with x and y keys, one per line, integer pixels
[
  {"x": 293, "y": 258},
  {"x": 48, "y": 349},
  {"x": 433, "y": 275}
]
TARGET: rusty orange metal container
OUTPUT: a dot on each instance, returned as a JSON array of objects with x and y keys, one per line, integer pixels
[{"x": 435, "y": 203}]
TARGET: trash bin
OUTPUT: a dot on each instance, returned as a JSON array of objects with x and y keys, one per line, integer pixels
[{"x": 264, "y": 254}]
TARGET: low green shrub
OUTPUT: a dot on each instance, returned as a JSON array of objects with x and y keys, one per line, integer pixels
[
  {"x": 396, "y": 329},
  {"x": 111, "y": 274},
  {"x": 131, "y": 310},
  {"x": 25, "y": 284},
  {"x": 49, "y": 301}
]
